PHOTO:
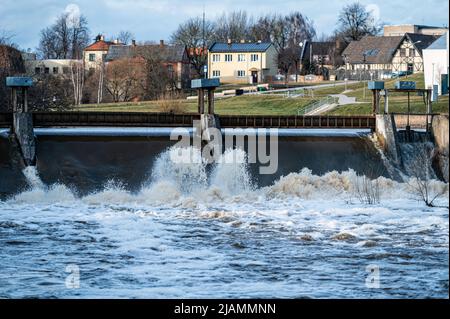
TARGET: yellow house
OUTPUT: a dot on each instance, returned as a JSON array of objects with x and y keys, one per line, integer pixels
[{"x": 242, "y": 62}]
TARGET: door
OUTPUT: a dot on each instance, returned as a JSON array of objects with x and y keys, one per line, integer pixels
[{"x": 254, "y": 77}]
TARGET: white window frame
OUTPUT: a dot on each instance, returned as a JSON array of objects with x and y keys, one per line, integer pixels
[
  {"x": 216, "y": 73},
  {"x": 241, "y": 73},
  {"x": 228, "y": 57},
  {"x": 254, "y": 57},
  {"x": 241, "y": 57},
  {"x": 216, "y": 57}
]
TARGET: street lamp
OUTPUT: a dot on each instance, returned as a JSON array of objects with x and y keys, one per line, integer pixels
[
  {"x": 412, "y": 57},
  {"x": 301, "y": 61}
]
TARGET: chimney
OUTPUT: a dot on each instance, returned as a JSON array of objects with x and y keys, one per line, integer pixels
[
  {"x": 259, "y": 41},
  {"x": 116, "y": 41},
  {"x": 229, "y": 41},
  {"x": 102, "y": 38},
  {"x": 338, "y": 45},
  {"x": 242, "y": 41},
  {"x": 161, "y": 43},
  {"x": 133, "y": 42}
]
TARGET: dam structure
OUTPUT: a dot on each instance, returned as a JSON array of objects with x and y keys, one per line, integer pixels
[
  {"x": 105, "y": 195},
  {"x": 23, "y": 123}
]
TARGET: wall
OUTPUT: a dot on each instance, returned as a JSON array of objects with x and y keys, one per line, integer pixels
[
  {"x": 439, "y": 58},
  {"x": 30, "y": 65},
  {"x": 399, "y": 63},
  {"x": 99, "y": 59},
  {"x": 440, "y": 130},
  {"x": 266, "y": 66}
]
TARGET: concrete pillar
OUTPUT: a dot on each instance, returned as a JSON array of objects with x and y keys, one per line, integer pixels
[
  {"x": 23, "y": 130},
  {"x": 386, "y": 131},
  {"x": 440, "y": 131}
]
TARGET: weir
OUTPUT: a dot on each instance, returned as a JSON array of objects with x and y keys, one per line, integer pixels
[{"x": 394, "y": 141}]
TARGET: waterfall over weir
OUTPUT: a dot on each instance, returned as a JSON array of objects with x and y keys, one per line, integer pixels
[{"x": 139, "y": 224}]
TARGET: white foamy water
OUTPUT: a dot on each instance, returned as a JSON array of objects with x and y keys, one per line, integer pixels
[{"x": 205, "y": 231}]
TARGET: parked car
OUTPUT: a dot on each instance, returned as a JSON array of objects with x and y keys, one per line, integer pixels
[{"x": 397, "y": 74}]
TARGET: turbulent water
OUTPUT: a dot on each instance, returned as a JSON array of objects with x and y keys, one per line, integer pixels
[{"x": 197, "y": 230}]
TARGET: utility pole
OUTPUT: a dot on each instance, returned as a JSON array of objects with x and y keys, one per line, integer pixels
[{"x": 205, "y": 70}]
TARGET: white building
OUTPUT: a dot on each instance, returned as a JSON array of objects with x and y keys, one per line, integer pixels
[{"x": 435, "y": 60}]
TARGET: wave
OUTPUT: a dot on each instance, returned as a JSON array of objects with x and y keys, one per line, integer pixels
[{"x": 181, "y": 177}]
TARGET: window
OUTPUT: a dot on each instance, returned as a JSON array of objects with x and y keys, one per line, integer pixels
[
  {"x": 216, "y": 57},
  {"x": 241, "y": 73},
  {"x": 91, "y": 57},
  {"x": 65, "y": 70},
  {"x": 412, "y": 52},
  {"x": 241, "y": 57},
  {"x": 402, "y": 52},
  {"x": 46, "y": 70},
  {"x": 216, "y": 73},
  {"x": 55, "y": 70},
  {"x": 37, "y": 70},
  {"x": 254, "y": 57},
  {"x": 228, "y": 57}
]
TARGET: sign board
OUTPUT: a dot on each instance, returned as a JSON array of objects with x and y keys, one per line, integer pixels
[
  {"x": 405, "y": 85},
  {"x": 375, "y": 85},
  {"x": 205, "y": 83},
  {"x": 19, "y": 81}
]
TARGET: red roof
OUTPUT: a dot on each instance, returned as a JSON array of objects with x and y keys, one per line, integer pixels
[{"x": 99, "y": 46}]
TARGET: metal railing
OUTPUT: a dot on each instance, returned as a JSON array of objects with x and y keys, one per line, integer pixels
[{"x": 317, "y": 104}]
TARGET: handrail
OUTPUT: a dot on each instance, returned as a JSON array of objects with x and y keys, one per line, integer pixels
[{"x": 317, "y": 104}]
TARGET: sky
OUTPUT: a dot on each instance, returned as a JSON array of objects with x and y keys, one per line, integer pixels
[{"x": 153, "y": 20}]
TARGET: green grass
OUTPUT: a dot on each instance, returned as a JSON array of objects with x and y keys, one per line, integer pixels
[
  {"x": 397, "y": 101},
  {"x": 278, "y": 104},
  {"x": 239, "y": 105}
]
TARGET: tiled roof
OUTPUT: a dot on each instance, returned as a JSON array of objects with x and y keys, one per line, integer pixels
[
  {"x": 421, "y": 41},
  {"x": 168, "y": 53},
  {"x": 118, "y": 52},
  {"x": 378, "y": 50},
  {"x": 239, "y": 47},
  {"x": 99, "y": 46}
]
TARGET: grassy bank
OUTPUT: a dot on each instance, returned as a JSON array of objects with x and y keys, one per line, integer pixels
[{"x": 279, "y": 104}]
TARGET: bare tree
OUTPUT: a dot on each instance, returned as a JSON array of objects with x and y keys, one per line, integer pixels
[
  {"x": 77, "y": 78},
  {"x": 234, "y": 26},
  {"x": 421, "y": 183},
  {"x": 356, "y": 22},
  {"x": 195, "y": 35},
  {"x": 123, "y": 77},
  {"x": 11, "y": 63},
  {"x": 6, "y": 38},
  {"x": 65, "y": 39},
  {"x": 125, "y": 37},
  {"x": 50, "y": 93}
]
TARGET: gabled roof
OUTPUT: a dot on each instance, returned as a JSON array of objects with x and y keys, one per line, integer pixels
[
  {"x": 99, "y": 45},
  {"x": 377, "y": 50},
  {"x": 168, "y": 53},
  {"x": 439, "y": 44},
  {"x": 421, "y": 41},
  {"x": 221, "y": 47},
  {"x": 380, "y": 50}
]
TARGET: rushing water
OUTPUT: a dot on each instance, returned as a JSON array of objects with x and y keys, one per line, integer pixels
[{"x": 192, "y": 230}]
